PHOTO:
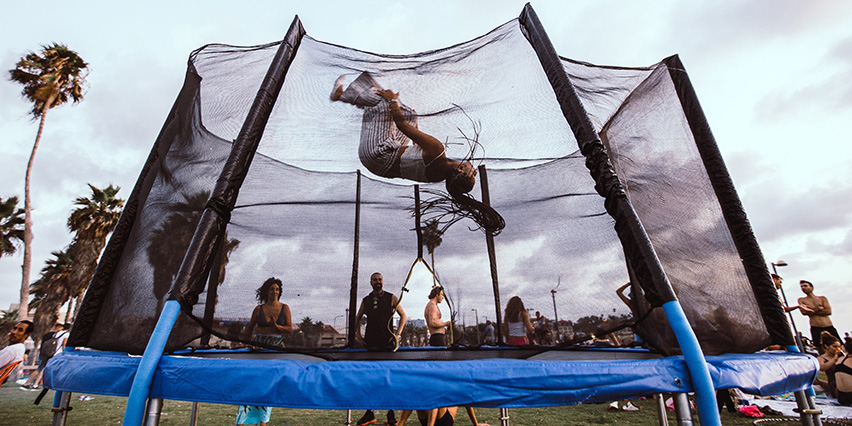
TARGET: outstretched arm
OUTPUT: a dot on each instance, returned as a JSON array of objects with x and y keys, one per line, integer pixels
[
  {"x": 402, "y": 317},
  {"x": 432, "y": 147}
]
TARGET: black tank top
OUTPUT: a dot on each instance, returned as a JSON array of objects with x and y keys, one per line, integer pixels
[
  {"x": 379, "y": 310},
  {"x": 263, "y": 322}
]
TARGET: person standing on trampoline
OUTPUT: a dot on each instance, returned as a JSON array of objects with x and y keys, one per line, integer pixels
[
  {"x": 378, "y": 307},
  {"x": 269, "y": 321},
  {"x": 387, "y": 127},
  {"x": 517, "y": 324},
  {"x": 437, "y": 328}
]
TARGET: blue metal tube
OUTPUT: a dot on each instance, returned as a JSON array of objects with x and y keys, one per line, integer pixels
[
  {"x": 135, "y": 411},
  {"x": 702, "y": 384}
]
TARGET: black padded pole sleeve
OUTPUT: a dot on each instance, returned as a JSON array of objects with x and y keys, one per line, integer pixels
[
  {"x": 637, "y": 245},
  {"x": 732, "y": 209},
  {"x": 189, "y": 282},
  {"x": 492, "y": 256},
  {"x": 90, "y": 309},
  {"x": 417, "y": 227},
  {"x": 353, "y": 288}
]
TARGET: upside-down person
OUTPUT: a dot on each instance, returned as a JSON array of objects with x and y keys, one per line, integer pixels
[{"x": 388, "y": 127}]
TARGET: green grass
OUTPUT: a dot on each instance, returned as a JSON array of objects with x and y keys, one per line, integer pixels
[{"x": 17, "y": 408}]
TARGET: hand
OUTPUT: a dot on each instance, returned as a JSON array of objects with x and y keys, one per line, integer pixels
[
  {"x": 388, "y": 94},
  {"x": 805, "y": 309}
]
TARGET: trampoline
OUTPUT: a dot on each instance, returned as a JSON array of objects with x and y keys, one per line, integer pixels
[{"x": 604, "y": 175}]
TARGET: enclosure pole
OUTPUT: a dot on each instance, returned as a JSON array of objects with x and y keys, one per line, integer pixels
[
  {"x": 155, "y": 407},
  {"x": 492, "y": 255},
  {"x": 702, "y": 383},
  {"x": 417, "y": 222},
  {"x": 141, "y": 386},
  {"x": 353, "y": 287},
  {"x": 190, "y": 279},
  {"x": 629, "y": 228},
  {"x": 61, "y": 406}
]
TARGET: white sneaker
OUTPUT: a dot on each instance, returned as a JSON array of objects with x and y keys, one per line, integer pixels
[
  {"x": 629, "y": 407},
  {"x": 613, "y": 406}
]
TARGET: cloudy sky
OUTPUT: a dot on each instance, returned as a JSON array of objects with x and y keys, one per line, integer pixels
[{"x": 772, "y": 77}]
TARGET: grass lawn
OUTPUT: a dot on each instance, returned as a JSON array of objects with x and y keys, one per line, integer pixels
[{"x": 17, "y": 408}]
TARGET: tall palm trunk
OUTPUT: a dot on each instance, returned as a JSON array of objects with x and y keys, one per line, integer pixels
[{"x": 23, "y": 310}]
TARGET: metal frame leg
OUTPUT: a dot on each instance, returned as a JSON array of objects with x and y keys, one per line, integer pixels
[
  {"x": 152, "y": 413},
  {"x": 682, "y": 411},
  {"x": 504, "y": 417},
  {"x": 193, "y": 415},
  {"x": 662, "y": 417},
  {"x": 348, "y": 421},
  {"x": 61, "y": 407}
]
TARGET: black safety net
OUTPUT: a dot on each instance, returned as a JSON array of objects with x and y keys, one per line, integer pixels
[{"x": 312, "y": 215}]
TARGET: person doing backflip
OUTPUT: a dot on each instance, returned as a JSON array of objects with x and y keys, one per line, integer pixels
[{"x": 385, "y": 148}]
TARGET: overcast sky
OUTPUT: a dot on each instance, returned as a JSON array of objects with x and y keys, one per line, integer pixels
[{"x": 772, "y": 77}]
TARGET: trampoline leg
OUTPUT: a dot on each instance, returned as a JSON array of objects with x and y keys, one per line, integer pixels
[
  {"x": 804, "y": 404},
  {"x": 662, "y": 418},
  {"x": 193, "y": 415},
  {"x": 682, "y": 411},
  {"x": 348, "y": 421},
  {"x": 504, "y": 417},
  {"x": 152, "y": 414},
  {"x": 813, "y": 407},
  {"x": 61, "y": 406}
]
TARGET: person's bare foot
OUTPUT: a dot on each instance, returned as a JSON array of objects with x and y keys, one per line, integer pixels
[{"x": 337, "y": 91}]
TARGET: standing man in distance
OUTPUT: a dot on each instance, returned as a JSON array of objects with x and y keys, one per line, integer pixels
[
  {"x": 437, "y": 328},
  {"x": 817, "y": 309},
  {"x": 379, "y": 307}
]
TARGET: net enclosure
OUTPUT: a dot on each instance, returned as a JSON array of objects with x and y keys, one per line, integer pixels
[{"x": 602, "y": 176}]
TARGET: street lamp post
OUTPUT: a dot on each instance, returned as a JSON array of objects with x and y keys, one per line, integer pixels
[
  {"x": 477, "y": 326},
  {"x": 799, "y": 343},
  {"x": 555, "y": 315}
]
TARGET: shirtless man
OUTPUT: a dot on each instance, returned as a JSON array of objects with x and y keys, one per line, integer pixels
[
  {"x": 817, "y": 309},
  {"x": 433, "y": 318}
]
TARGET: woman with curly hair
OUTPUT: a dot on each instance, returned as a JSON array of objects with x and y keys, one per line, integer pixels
[{"x": 269, "y": 321}]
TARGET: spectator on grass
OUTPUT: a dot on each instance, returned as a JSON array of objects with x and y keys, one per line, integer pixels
[
  {"x": 52, "y": 343},
  {"x": 843, "y": 377},
  {"x": 831, "y": 354},
  {"x": 489, "y": 333},
  {"x": 12, "y": 355}
]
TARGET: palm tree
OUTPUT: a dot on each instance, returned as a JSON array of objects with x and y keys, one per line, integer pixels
[
  {"x": 432, "y": 239},
  {"x": 51, "y": 290},
  {"x": 50, "y": 79},
  {"x": 11, "y": 226},
  {"x": 94, "y": 218},
  {"x": 169, "y": 241}
]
